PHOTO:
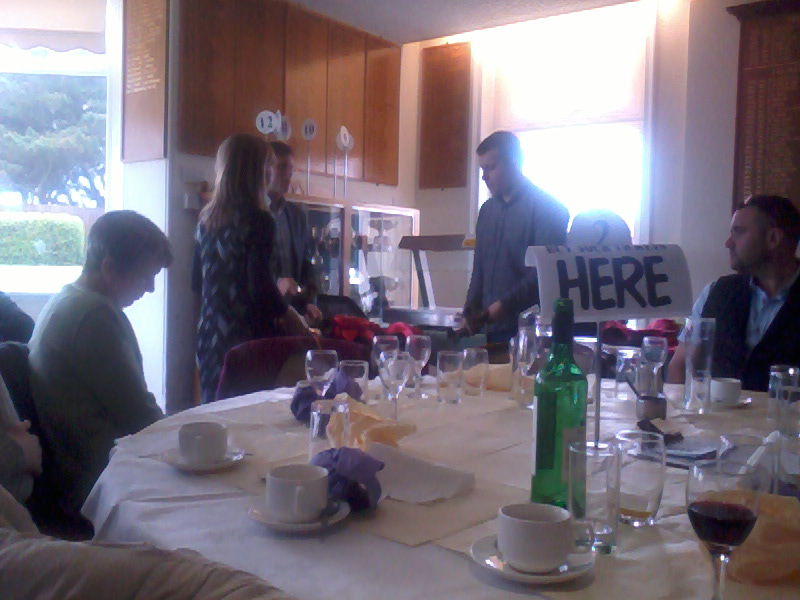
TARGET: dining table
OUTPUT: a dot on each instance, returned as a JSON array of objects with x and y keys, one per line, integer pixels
[{"x": 403, "y": 550}]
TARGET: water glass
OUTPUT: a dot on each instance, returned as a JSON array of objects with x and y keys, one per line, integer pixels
[
  {"x": 321, "y": 367},
  {"x": 787, "y": 466},
  {"x": 699, "y": 343},
  {"x": 449, "y": 373},
  {"x": 419, "y": 348},
  {"x": 593, "y": 492},
  {"x": 654, "y": 355},
  {"x": 357, "y": 371},
  {"x": 789, "y": 410},
  {"x": 329, "y": 426},
  {"x": 642, "y": 473},
  {"x": 627, "y": 364},
  {"x": 475, "y": 366},
  {"x": 780, "y": 375},
  {"x": 527, "y": 351}
]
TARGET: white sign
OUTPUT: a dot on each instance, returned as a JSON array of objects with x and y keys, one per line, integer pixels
[
  {"x": 344, "y": 140},
  {"x": 613, "y": 282},
  {"x": 268, "y": 122},
  {"x": 284, "y": 132},
  {"x": 309, "y": 130}
]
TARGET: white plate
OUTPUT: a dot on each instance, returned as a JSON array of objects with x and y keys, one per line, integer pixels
[
  {"x": 259, "y": 512},
  {"x": 173, "y": 458},
  {"x": 484, "y": 552}
]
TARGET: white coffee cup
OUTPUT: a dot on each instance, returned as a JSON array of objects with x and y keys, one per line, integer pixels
[
  {"x": 297, "y": 493},
  {"x": 536, "y": 538},
  {"x": 726, "y": 390},
  {"x": 203, "y": 442}
]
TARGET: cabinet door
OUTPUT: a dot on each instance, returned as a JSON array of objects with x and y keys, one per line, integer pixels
[
  {"x": 259, "y": 65},
  {"x": 205, "y": 97},
  {"x": 381, "y": 112},
  {"x": 444, "y": 118},
  {"x": 346, "y": 59},
  {"x": 306, "y": 81}
]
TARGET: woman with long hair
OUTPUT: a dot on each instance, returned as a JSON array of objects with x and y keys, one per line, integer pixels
[{"x": 239, "y": 300}]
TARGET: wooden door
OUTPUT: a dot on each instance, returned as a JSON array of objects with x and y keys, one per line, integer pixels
[
  {"x": 381, "y": 111},
  {"x": 346, "y": 63},
  {"x": 259, "y": 63},
  {"x": 444, "y": 118},
  {"x": 306, "y": 81},
  {"x": 206, "y": 81}
]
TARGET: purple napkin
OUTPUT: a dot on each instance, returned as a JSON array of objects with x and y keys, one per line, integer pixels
[
  {"x": 305, "y": 395},
  {"x": 351, "y": 476}
]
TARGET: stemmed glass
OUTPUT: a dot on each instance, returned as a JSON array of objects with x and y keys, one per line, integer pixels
[
  {"x": 394, "y": 370},
  {"x": 722, "y": 498},
  {"x": 527, "y": 351},
  {"x": 419, "y": 348},
  {"x": 383, "y": 343},
  {"x": 654, "y": 353},
  {"x": 321, "y": 367}
]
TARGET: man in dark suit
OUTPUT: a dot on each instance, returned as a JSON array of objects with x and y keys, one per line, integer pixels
[
  {"x": 756, "y": 309},
  {"x": 291, "y": 260}
]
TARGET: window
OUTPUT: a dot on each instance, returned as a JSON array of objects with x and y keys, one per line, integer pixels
[
  {"x": 53, "y": 109},
  {"x": 572, "y": 87}
]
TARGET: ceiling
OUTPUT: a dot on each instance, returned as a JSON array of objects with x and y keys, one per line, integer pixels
[{"x": 403, "y": 21}]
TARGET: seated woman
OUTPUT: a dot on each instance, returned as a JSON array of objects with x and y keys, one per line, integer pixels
[
  {"x": 86, "y": 374},
  {"x": 239, "y": 299}
]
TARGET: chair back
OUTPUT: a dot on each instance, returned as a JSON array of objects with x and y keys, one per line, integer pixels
[{"x": 268, "y": 363}]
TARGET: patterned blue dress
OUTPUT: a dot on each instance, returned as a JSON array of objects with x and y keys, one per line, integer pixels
[{"x": 239, "y": 299}]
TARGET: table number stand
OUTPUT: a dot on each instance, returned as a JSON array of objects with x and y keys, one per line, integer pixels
[{"x": 612, "y": 282}]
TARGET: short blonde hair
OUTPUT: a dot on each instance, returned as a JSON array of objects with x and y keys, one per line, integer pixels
[{"x": 242, "y": 165}]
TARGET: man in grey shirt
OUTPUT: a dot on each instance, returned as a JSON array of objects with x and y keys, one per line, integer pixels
[{"x": 518, "y": 215}]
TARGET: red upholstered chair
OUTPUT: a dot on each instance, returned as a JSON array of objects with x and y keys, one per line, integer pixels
[{"x": 274, "y": 362}]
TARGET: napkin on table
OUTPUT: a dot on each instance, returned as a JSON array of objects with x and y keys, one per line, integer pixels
[
  {"x": 305, "y": 395},
  {"x": 351, "y": 476},
  {"x": 416, "y": 481}
]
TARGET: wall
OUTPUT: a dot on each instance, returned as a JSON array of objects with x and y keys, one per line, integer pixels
[{"x": 696, "y": 66}]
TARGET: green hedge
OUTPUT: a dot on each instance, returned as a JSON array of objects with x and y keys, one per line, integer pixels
[{"x": 41, "y": 239}]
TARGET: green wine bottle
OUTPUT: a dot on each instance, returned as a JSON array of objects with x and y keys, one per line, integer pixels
[{"x": 559, "y": 412}]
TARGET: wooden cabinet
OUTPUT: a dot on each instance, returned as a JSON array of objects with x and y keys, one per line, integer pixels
[
  {"x": 259, "y": 60},
  {"x": 239, "y": 57},
  {"x": 307, "y": 80},
  {"x": 381, "y": 111},
  {"x": 444, "y": 118},
  {"x": 346, "y": 60},
  {"x": 206, "y": 104}
]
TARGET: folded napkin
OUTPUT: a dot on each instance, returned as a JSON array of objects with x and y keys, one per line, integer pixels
[
  {"x": 499, "y": 378},
  {"x": 305, "y": 395},
  {"x": 351, "y": 476},
  {"x": 770, "y": 553},
  {"x": 416, "y": 481},
  {"x": 367, "y": 427}
]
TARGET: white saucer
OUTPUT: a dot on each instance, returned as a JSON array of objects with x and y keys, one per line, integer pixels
[
  {"x": 174, "y": 459},
  {"x": 484, "y": 552},
  {"x": 259, "y": 512}
]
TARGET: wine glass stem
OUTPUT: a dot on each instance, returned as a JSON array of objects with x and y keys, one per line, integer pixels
[
  {"x": 418, "y": 385},
  {"x": 720, "y": 562},
  {"x": 393, "y": 400}
]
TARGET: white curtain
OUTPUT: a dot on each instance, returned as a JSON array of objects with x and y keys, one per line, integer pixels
[{"x": 60, "y": 25}]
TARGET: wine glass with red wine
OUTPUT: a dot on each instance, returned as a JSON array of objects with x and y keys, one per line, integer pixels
[{"x": 722, "y": 498}]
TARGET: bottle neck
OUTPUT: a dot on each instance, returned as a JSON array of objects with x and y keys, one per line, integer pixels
[
  {"x": 562, "y": 336},
  {"x": 562, "y": 352}
]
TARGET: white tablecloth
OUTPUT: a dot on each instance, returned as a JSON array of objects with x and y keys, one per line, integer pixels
[{"x": 141, "y": 498}]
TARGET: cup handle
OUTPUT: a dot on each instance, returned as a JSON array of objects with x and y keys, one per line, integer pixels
[{"x": 584, "y": 540}]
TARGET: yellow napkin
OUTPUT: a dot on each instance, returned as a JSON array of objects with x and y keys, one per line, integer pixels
[
  {"x": 771, "y": 553},
  {"x": 499, "y": 378},
  {"x": 366, "y": 427}
]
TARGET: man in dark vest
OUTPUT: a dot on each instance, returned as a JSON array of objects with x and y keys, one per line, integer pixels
[{"x": 757, "y": 309}]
